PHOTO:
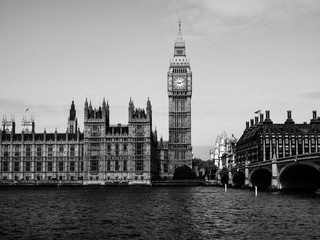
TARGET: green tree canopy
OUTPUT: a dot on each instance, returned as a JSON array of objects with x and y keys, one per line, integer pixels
[{"x": 184, "y": 172}]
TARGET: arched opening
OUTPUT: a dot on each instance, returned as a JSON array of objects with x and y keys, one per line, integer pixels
[
  {"x": 238, "y": 179},
  {"x": 224, "y": 179},
  {"x": 300, "y": 177},
  {"x": 261, "y": 178}
]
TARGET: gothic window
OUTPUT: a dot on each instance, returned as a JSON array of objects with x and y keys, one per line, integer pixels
[
  {"x": 117, "y": 149},
  {"x": 81, "y": 166},
  {"x": 50, "y": 166},
  {"x": 108, "y": 165},
  {"x": 139, "y": 149},
  {"x": 94, "y": 165},
  {"x": 5, "y": 166},
  {"x": 28, "y": 151},
  {"x": 61, "y": 148},
  {"x": 124, "y": 165},
  {"x": 39, "y": 151},
  {"x": 108, "y": 149},
  {"x": 17, "y": 151},
  {"x": 16, "y": 166},
  {"x": 39, "y": 166},
  {"x": 72, "y": 166},
  {"x": 49, "y": 150},
  {"x": 165, "y": 168},
  {"x": 116, "y": 165},
  {"x": 139, "y": 165},
  {"x": 183, "y": 107},
  {"x": 72, "y": 151},
  {"x": 6, "y": 151},
  {"x": 176, "y": 154},
  {"x": 183, "y": 155},
  {"x": 27, "y": 166},
  {"x": 60, "y": 166}
]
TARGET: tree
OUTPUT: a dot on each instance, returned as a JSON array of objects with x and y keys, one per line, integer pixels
[
  {"x": 184, "y": 172},
  {"x": 210, "y": 168}
]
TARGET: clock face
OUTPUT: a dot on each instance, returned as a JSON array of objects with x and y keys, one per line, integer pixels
[{"x": 179, "y": 83}]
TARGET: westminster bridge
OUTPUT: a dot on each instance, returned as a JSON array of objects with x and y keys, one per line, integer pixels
[{"x": 295, "y": 172}]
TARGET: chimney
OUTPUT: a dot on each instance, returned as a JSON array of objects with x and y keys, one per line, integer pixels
[
  {"x": 267, "y": 120},
  {"x": 256, "y": 119},
  {"x": 267, "y": 115},
  {"x": 289, "y": 114},
  {"x": 261, "y": 117},
  {"x": 289, "y": 118},
  {"x": 314, "y": 117},
  {"x": 247, "y": 125},
  {"x": 251, "y": 122}
]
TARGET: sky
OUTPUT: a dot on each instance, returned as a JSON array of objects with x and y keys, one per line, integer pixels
[{"x": 245, "y": 55}]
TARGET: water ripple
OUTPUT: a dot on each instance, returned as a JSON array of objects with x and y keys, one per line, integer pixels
[{"x": 155, "y": 213}]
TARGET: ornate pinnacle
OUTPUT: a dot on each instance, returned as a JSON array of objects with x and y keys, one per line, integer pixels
[{"x": 179, "y": 32}]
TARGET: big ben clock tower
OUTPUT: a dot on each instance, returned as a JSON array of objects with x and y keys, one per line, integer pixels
[{"x": 179, "y": 93}]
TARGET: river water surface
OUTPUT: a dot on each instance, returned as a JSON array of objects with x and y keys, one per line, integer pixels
[{"x": 156, "y": 213}]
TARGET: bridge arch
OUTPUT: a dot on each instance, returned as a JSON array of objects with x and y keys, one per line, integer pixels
[
  {"x": 261, "y": 177},
  {"x": 238, "y": 179},
  {"x": 300, "y": 176}
]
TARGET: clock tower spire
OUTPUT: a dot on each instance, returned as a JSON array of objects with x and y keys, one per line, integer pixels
[{"x": 179, "y": 82}]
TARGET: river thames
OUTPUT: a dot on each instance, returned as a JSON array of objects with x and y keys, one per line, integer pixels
[{"x": 100, "y": 212}]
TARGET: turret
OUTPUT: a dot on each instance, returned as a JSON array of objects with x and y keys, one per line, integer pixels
[
  {"x": 72, "y": 115},
  {"x": 72, "y": 120},
  {"x": 9, "y": 126},
  {"x": 149, "y": 110},
  {"x": 105, "y": 112},
  {"x": 130, "y": 110},
  {"x": 27, "y": 126},
  {"x": 86, "y": 110}
]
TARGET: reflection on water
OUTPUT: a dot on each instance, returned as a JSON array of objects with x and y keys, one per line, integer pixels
[{"x": 156, "y": 213}]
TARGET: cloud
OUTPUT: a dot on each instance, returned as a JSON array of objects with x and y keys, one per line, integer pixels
[
  {"x": 216, "y": 16},
  {"x": 311, "y": 95},
  {"x": 12, "y": 106}
]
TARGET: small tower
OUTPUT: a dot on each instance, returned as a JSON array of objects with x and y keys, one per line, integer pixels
[
  {"x": 9, "y": 127},
  {"x": 86, "y": 110},
  {"x": 105, "y": 112},
  {"x": 130, "y": 110},
  {"x": 149, "y": 110},
  {"x": 27, "y": 126},
  {"x": 72, "y": 120}
]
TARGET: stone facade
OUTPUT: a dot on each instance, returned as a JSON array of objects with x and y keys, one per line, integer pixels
[
  {"x": 102, "y": 154},
  {"x": 223, "y": 153},
  {"x": 263, "y": 140}
]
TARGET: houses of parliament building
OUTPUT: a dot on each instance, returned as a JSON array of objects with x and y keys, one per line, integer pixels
[{"x": 104, "y": 153}]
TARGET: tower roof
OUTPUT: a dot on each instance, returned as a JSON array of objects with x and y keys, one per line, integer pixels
[{"x": 179, "y": 41}]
